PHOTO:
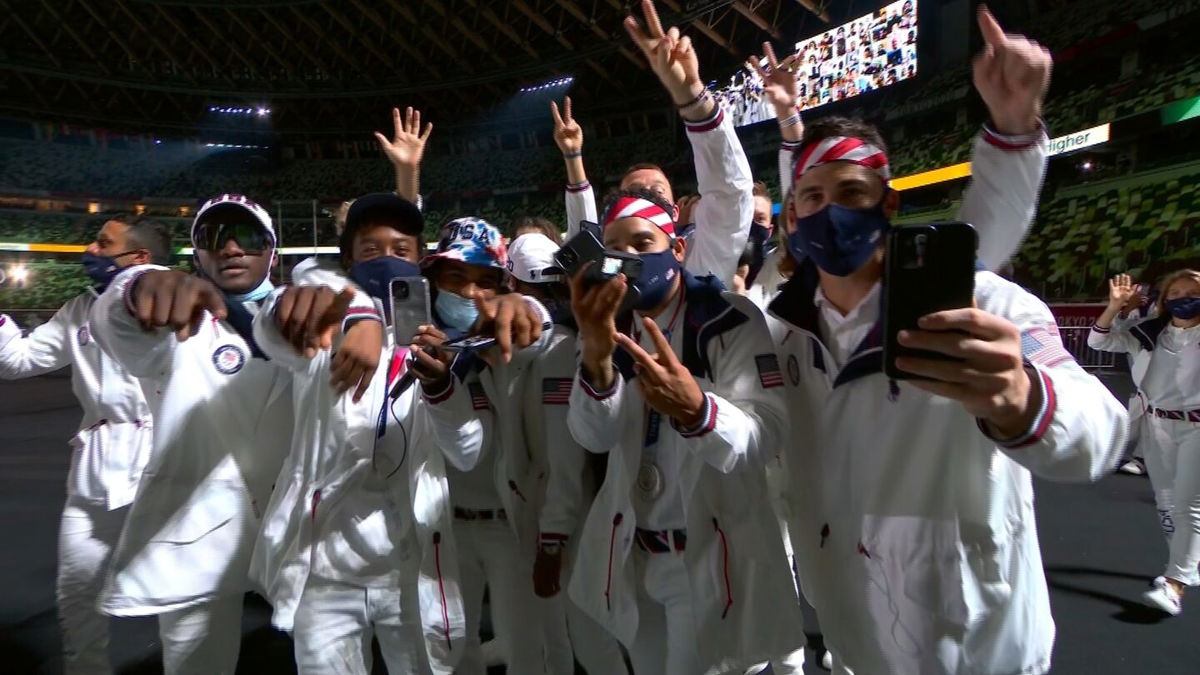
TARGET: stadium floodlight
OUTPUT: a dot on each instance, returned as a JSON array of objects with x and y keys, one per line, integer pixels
[
  {"x": 552, "y": 84},
  {"x": 19, "y": 274}
]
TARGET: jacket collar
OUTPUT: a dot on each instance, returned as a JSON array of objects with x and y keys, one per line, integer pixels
[
  {"x": 705, "y": 315},
  {"x": 794, "y": 305}
]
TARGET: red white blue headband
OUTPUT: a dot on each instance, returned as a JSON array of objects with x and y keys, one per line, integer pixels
[
  {"x": 843, "y": 149},
  {"x": 639, "y": 207}
]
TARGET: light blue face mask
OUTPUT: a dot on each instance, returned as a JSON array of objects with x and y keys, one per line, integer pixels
[
  {"x": 456, "y": 311},
  {"x": 263, "y": 290}
]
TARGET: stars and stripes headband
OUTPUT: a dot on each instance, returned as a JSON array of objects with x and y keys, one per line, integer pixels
[
  {"x": 638, "y": 207},
  {"x": 843, "y": 149}
]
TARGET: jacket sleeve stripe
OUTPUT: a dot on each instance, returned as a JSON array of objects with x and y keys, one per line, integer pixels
[
  {"x": 441, "y": 396},
  {"x": 1041, "y": 421},
  {"x": 707, "y": 423},
  {"x": 709, "y": 124},
  {"x": 591, "y": 391}
]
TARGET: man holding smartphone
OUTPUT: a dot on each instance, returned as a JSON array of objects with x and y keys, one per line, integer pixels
[
  {"x": 680, "y": 556},
  {"x": 911, "y": 514}
]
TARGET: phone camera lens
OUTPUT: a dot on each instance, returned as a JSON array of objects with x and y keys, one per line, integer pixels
[{"x": 402, "y": 291}]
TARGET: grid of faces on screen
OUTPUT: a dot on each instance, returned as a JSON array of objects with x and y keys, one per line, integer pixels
[{"x": 870, "y": 52}]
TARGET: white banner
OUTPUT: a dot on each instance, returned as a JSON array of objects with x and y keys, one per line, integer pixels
[{"x": 1078, "y": 140}]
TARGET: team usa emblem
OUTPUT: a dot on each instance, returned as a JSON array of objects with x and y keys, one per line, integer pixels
[
  {"x": 768, "y": 371},
  {"x": 83, "y": 335},
  {"x": 793, "y": 366},
  {"x": 228, "y": 359}
]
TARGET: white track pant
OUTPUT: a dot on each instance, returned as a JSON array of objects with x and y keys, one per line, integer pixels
[
  {"x": 1173, "y": 460},
  {"x": 86, "y": 535},
  {"x": 203, "y": 639},
  {"x": 336, "y": 621},
  {"x": 666, "y": 638},
  {"x": 490, "y": 554}
]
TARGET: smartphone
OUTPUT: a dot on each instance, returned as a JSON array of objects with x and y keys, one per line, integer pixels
[
  {"x": 927, "y": 268},
  {"x": 411, "y": 307},
  {"x": 470, "y": 343},
  {"x": 585, "y": 247}
]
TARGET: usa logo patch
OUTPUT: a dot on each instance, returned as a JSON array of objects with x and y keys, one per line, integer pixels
[
  {"x": 83, "y": 335},
  {"x": 556, "y": 390},
  {"x": 228, "y": 359},
  {"x": 1044, "y": 347},
  {"x": 794, "y": 369}
]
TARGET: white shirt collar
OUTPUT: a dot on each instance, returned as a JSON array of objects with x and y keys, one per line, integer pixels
[{"x": 866, "y": 309}]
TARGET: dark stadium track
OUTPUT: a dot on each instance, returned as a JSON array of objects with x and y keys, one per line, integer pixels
[{"x": 1100, "y": 543}]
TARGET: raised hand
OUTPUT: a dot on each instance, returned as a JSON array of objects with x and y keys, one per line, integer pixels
[
  {"x": 779, "y": 80},
  {"x": 166, "y": 298},
  {"x": 1121, "y": 290},
  {"x": 1012, "y": 74},
  {"x": 666, "y": 384},
  {"x": 687, "y": 208},
  {"x": 407, "y": 146},
  {"x": 568, "y": 135},
  {"x": 672, "y": 57}
]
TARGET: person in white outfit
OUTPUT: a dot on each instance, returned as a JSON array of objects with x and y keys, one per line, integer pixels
[
  {"x": 915, "y": 534},
  {"x": 680, "y": 556},
  {"x": 356, "y": 541},
  {"x": 1137, "y": 309},
  {"x": 112, "y": 445},
  {"x": 223, "y": 421},
  {"x": 495, "y": 522},
  {"x": 572, "y": 474},
  {"x": 1172, "y": 418}
]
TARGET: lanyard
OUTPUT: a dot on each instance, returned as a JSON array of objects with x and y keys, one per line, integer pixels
[{"x": 653, "y": 417}]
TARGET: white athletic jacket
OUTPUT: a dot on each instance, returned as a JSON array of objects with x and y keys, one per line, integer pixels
[
  {"x": 334, "y": 443},
  {"x": 914, "y": 532},
  {"x": 223, "y": 421},
  {"x": 1168, "y": 358},
  {"x": 726, "y": 207},
  {"x": 1000, "y": 201},
  {"x": 741, "y": 586},
  {"x": 112, "y": 445},
  {"x": 571, "y": 482}
]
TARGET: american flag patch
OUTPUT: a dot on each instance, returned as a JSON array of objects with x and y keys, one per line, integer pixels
[
  {"x": 556, "y": 390},
  {"x": 479, "y": 399},
  {"x": 768, "y": 370},
  {"x": 1043, "y": 347}
]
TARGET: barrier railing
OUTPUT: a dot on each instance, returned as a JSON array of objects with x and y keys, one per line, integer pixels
[{"x": 1075, "y": 340}]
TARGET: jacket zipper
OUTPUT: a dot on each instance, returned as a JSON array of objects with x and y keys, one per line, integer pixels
[
  {"x": 437, "y": 561},
  {"x": 724, "y": 568},
  {"x": 612, "y": 540}
]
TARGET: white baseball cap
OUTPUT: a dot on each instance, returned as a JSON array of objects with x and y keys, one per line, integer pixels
[
  {"x": 531, "y": 259},
  {"x": 213, "y": 207}
]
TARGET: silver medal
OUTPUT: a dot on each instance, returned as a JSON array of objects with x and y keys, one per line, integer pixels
[{"x": 649, "y": 480}]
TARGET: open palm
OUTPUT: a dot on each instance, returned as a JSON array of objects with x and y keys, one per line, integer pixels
[{"x": 407, "y": 145}]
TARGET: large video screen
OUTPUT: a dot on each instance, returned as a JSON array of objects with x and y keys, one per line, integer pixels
[{"x": 871, "y": 52}]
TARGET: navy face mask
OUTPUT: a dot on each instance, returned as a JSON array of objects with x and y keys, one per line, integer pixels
[
  {"x": 375, "y": 277},
  {"x": 658, "y": 276},
  {"x": 102, "y": 269},
  {"x": 1183, "y": 308},
  {"x": 838, "y": 239}
]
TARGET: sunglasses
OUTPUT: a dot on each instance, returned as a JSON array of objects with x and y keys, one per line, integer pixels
[{"x": 251, "y": 238}]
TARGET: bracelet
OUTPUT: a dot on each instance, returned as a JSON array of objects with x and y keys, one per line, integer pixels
[
  {"x": 790, "y": 121},
  {"x": 572, "y": 155},
  {"x": 699, "y": 97}
]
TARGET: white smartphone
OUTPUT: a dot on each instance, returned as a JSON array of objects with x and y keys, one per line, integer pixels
[{"x": 411, "y": 307}]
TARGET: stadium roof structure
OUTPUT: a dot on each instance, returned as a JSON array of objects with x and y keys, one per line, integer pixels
[{"x": 336, "y": 66}]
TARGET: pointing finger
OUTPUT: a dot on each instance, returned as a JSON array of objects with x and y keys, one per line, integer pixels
[
  {"x": 993, "y": 34},
  {"x": 567, "y": 108},
  {"x": 558, "y": 120},
  {"x": 652, "y": 22}
]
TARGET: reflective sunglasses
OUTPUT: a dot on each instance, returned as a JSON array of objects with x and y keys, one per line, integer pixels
[{"x": 251, "y": 238}]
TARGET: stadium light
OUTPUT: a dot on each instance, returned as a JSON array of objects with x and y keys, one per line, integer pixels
[
  {"x": 19, "y": 274},
  {"x": 552, "y": 84},
  {"x": 260, "y": 111}
]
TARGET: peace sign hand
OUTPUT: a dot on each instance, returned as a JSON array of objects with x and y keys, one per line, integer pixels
[
  {"x": 1012, "y": 74},
  {"x": 567, "y": 132},
  {"x": 672, "y": 58},
  {"x": 408, "y": 143},
  {"x": 666, "y": 384},
  {"x": 779, "y": 80}
]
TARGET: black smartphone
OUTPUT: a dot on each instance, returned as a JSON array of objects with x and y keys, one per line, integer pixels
[
  {"x": 411, "y": 307},
  {"x": 927, "y": 268},
  {"x": 585, "y": 247}
]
